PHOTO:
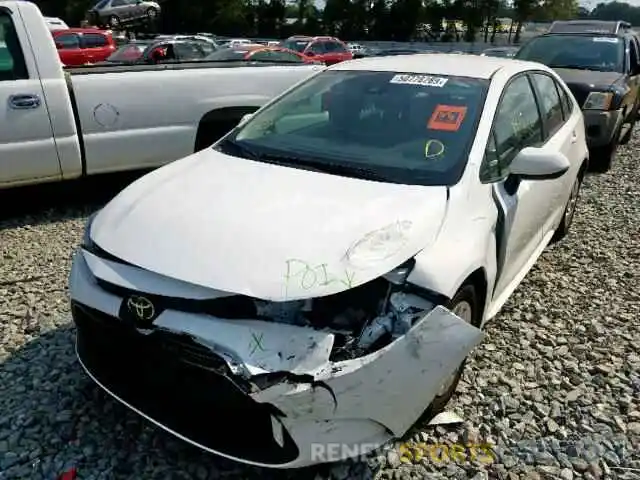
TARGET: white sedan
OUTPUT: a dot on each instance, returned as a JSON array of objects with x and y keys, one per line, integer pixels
[{"x": 309, "y": 287}]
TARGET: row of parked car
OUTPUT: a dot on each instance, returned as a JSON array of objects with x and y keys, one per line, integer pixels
[
  {"x": 600, "y": 62},
  {"x": 416, "y": 193},
  {"x": 83, "y": 46}
]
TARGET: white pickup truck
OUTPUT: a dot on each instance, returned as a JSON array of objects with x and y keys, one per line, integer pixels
[{"x": 58, "y": 125}]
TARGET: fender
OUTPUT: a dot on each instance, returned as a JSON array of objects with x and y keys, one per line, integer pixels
[{"x": 460, "y": 258}]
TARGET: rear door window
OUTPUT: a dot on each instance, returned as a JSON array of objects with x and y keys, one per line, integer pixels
[
  {"x": 94, "y": 40},
  {"x": 318, "y": 48},
  {"x": 334, "y": 47}
]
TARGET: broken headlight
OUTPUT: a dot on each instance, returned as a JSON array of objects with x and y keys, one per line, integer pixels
[
  {"x": 379, "y": 245},
  {"x": 87, "y": 243},
  {"x": 399, "y": 275}
]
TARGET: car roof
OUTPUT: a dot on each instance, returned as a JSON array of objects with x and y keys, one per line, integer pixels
[
  {"x": 81, "y": 30},
  {"x": 589, "y": 26},
  {"x": 473, "y": 66}
]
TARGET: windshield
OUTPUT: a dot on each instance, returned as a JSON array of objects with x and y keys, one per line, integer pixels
[
  {"x": 127, "y": 53},
  {"x": 227, "y": 54},
  {"x": 399, "y": 128},
  {"x": 297, "y": 45},
  {"x": 586, "y": 52}
]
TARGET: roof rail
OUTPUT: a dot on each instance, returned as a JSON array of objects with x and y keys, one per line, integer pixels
[{"x": 588, "y": 26}]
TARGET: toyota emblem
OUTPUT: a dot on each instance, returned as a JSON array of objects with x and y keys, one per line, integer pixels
[{"x": 141, "y": 308}]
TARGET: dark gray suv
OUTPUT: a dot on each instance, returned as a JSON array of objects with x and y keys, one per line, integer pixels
[{"x": 115, "y": 13}]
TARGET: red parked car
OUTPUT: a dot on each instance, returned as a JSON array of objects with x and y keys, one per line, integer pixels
[
  {"x": 259, "y": 53},
  {"x": 328, "y": 50},
  {"x": 79, "y": 46}
]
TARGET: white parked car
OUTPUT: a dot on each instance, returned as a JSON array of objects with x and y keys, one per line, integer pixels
[
  {"x": 355, "y": 48},
  {"x": 237, "y": 42},
  {"x": 55, "y": 23},
  {"x": 319, "y": 275}
]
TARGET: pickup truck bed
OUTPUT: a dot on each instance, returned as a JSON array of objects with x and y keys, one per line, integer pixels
[{"x": 65, "y": 123}]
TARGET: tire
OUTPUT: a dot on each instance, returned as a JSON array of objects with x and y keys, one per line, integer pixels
[
  {"x": 466, "y": 294},
  {"x": 628, "y": 134},
  {"x": 152, "y": 14},
  {"x": 601, "y": 158},
  {"x": 114, "y": 21},
  {"x": 569, "y": 210}
]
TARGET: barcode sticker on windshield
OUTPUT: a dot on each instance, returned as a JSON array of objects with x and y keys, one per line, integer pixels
[
  {"x": 606, "y": 39},
  {"x": 424, "y": 80}
]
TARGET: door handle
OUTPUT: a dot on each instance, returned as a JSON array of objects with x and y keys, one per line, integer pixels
[{"x": 24, "y": 102}]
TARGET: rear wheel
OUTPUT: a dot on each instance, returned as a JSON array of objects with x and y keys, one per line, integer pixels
[
  {"x": 114, "y": 21},
  {"x": 466, "y": 305},
  {"x": 569, "y": 211},
  {"x": 152, "y": 13}
]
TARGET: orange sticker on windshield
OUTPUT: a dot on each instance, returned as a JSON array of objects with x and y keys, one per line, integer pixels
[{"x": 447, "y": 118}]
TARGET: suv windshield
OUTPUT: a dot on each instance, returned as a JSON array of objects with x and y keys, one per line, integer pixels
[
  {"x": 585, "y": 52},
  {"x": 385, "y": 126},
  {"x": 297, "y": 45}
]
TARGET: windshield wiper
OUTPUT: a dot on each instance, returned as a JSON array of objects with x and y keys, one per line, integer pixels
[
  {"x": 582, "y": 67},
  {"x": 323, "y": 167},
  {"x": 241, "y": 150},
  {"x": 298, "y": 162}
]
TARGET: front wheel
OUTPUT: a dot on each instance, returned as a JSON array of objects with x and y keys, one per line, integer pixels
[
  {"x": 152, "y": 13},
  {"x": 466, "y": 305},
  {"x": 114, "y": 21}
]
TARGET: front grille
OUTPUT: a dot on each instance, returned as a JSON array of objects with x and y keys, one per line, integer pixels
[
  {"x": 181, "y": 385},
  {"x": 231, "y": 307}
]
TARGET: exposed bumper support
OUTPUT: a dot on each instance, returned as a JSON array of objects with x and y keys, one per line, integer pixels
[{"x": 287, "y": 385}]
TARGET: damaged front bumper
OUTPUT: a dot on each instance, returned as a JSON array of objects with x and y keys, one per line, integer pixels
[{"x": 261, "y": 392}]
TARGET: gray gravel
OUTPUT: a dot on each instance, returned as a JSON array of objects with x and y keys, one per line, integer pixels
[{"x": 555, "y": 386}]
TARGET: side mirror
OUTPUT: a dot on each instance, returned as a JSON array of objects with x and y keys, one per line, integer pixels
[
  {"x": 310, "y": 54},
  {"x": 245, "y": 118},
  {"x": 538, "y": 164},
  {"x": 58, "y": 46}
]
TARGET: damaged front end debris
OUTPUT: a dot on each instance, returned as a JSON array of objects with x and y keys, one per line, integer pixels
[{"x": 359, "y": 366}]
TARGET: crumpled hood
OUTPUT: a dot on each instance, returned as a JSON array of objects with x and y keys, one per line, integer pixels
[
  {"x": 266, "y": 231},
  {"x": 590, "y": 78}
]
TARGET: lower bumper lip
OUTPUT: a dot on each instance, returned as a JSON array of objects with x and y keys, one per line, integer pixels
[{"x": 200, "y": 422}]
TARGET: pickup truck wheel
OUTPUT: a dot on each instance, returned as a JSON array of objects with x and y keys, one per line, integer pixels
[
  {"x": 626, "y": 138},
  {"x": 152, "y": 13},
  {"x": 114, "y": 21},
  {"x": 601, "y": 158},
  {"x": 465, "y": 304}
]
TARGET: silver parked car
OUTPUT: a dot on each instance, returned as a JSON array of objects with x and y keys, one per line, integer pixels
[{"x": 114, "y": 13}]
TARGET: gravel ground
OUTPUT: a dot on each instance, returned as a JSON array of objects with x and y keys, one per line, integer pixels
[{"x": 555, "y": 386}]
